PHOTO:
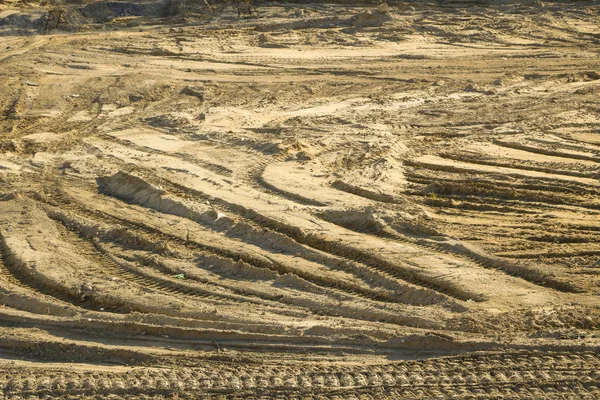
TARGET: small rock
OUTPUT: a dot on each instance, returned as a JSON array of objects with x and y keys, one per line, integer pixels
[
  {"x": 219, "y": 216},
  {"x": 383, "y": 8},
  {"x": 472, "y": 87},
  {"x": 593, "y": 75},
  {"x": 192, "y": 90},
  {"x": 303, "y": 156},
  {"x": 135, "y": 97}
]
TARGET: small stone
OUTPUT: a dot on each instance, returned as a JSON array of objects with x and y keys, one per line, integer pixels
[
  {"x": 383, "y": 8},
  {"x": 135, "y": 98},
  {"x": 192, "y": 90}
]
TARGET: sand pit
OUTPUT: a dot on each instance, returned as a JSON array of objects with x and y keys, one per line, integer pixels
[{"x": 324, "y": 201}]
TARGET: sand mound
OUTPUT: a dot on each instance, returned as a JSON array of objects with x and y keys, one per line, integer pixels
[
  {"x": 371, "y": 18},
  {"x": 362, "y": 221}
]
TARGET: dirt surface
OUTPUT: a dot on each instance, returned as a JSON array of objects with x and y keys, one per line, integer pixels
[{"x": 324, "y": 201}]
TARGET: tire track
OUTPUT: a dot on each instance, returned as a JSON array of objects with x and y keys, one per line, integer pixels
[
  {"x": 580, "y": 171},
  {"x": 15, "y": 274},
  {"x": 484, "y": 261},
  {"x": 216, "y": 168},
  {"x": 549, "y": 152},
  {"x": 114, "y": 266},
  {"x": 334, "y": 289},
  {"x": 508, "y": 376},
  {"x": 230, "y": 254},
  {"x": 367, "y": 194},
  {"x": 344, "y": 252},
  {"x": 255, "y": 175},
  {"x": 535, "y": 185},
  {"x": 514, "y": 197},
  {"x": 491, "y": 194},
  {"x": 462, "y": 169},
  {"x": 184, "y": 192}
]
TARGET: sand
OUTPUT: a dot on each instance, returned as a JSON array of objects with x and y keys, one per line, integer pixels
[{"x": 322, "y": 201}]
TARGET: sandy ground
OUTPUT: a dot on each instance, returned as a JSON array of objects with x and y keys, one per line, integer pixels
[{"x": 321, "y": 202}]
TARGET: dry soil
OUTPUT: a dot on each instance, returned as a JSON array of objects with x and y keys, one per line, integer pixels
[{"x": 324, "y": 201}]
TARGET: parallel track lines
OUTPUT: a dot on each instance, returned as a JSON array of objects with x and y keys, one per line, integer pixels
[
  {"x": 151, "y": 281},
  {"x": 112, "y": 266},
  {"x": 15, "y": 276},
  {"x": 513, "y": 375},
  {"x": 321, "y": 244},
  {"x": 222, "y": 252}
]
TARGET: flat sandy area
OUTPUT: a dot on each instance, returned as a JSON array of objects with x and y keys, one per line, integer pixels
[{"x": 319, "y": 202}]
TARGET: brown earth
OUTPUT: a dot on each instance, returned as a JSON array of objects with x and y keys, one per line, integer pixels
[{"x": 325, "y": 201}]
